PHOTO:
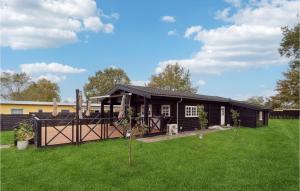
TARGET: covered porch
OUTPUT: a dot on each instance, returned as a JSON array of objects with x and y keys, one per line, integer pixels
[{"x": 154, "y": 112}]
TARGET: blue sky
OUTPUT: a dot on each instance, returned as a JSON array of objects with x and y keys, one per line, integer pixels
[{"x": 227, "y": 45}]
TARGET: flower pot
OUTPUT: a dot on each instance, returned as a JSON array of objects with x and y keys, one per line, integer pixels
[{"x": 22, "y": 145}]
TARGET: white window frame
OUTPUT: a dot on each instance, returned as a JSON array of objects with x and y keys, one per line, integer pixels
[
  {"x": 191, "y": 111},
  {"x": 165, "y": 110},
  {"x": 16, "y": 109},
  {"x": 149, "y": 112},
  {"x": 260, "y": 114}
]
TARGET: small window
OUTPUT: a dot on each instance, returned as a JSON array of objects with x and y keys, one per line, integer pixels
[
  {"x": 65, "y": 111},
  {"x": 166, "y": 110},
  {"x": 191, "y": 111},
  {"x": 16, "y": 111},
  {"x": 149, "y": 111},
  {"x": 260, "y": 115}
]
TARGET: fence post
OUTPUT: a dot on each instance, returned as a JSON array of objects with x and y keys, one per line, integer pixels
[
  {"x": 77, "y": 116},
  {"x": 38, "y": 133}
]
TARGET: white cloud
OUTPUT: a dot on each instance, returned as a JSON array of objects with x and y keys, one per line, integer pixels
[
  {"x": 201, "y": 82},
  {"x": 191, "y": 31},
  {"x": 43, "y": 24},
  {"x": 115, "y": 16},
  {"x": 250, "y": 40},
  {"x": 223, "y": 14},
  {"x": 265, "y": 93},
  {"x": 168, "y": 19},
  {"x": 54, "y": 72},
  {"x": 42, "y": 67},
  {"x": 171, "y": 33},
  {"x": 6, "y": 71},
  {"x": 140, "y": 82},
  {"x": 235, "y": 3},
  {"x": 51, "y": 77}
]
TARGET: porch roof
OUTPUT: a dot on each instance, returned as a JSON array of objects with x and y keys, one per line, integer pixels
[{"x": 150, "y": 92}]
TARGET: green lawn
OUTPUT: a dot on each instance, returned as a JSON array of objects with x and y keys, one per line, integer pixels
[
  {"x": 252, "y": 159},
  {"x": 6, "y": 137}
]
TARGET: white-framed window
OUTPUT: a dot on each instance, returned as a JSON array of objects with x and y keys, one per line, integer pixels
[
  {"x": 166, "y": 110},
  {"x": 16, "y": 111},
  {"x": 191, "y": 111},
  {"x": 260, "y": 115},
  {"x": 149, "y": 110}
]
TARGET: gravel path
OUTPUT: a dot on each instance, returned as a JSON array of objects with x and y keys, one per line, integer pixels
[{"x": 181, "y": 134}]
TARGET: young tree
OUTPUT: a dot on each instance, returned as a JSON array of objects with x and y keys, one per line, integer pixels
[
  {"x": 235, "y": 117},
  {"x": 202, "y": 115},
  {"x": 288, "y": 88},
  {"x": 174, "y": 77},
  {"x": 105, "y": 80},
  {"x": 13, "y": 84},
  {"x": 42, "y": 90}
]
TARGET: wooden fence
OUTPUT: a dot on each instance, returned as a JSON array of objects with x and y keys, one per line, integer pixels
[
  {"x": 10, "y": 121},
  {"x": 55, "y": 131},
  {"x": 285, "y": 114}
]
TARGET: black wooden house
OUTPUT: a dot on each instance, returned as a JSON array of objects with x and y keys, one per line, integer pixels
[{"x": 180, "y": 108}]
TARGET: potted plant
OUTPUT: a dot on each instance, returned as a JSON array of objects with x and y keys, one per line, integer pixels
[{"x": 23, "y": 134}]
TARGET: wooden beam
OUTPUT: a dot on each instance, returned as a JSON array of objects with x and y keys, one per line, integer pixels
[
  {"x": 146, "y": 110},
  {"x": 102, "y": 109},
  {"x": 110, "y": 96},
  {"x": 111, "y": 111}
]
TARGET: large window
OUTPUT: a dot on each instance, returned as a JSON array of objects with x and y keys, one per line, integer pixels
[
  {"x": 191, "y": 111},
  {"x": 261, "y": 115},
  {"x": 166, "y": 110},
  {"x": 149, "y": 111},
  {"x": 16, "y": 111}
]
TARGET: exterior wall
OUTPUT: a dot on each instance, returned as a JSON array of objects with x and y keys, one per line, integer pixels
[
  {"x": 6, "y": 108},
  {"x": 213, "y": 110},
  {"x": 250, "y": 117}
]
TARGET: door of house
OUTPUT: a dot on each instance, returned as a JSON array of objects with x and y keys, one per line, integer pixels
[{"x": 222, "y": 115}]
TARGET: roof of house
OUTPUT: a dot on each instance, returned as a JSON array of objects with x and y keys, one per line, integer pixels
[{"x": 149, "y": 92}]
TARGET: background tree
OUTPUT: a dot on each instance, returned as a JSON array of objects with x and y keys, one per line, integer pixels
[
  {"x": 42, "y": 90},
  {"x": 288, "y": 88},
  {"x": 13, "y": 84},
  {"x": 257, "y": 100},
  {"x": 174, "y": 77},
  {"x": 105, "y": 80}
]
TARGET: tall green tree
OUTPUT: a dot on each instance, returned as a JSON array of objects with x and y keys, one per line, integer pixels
[
  {"x": 42, "y": 90},
  {"x": 288, "y": 88},
  {"x": 13, "y": 84},
  {"x": 174, "y": 77},
  {"x": 257, "y": 100},
  {"x": 105, "y": 80}
]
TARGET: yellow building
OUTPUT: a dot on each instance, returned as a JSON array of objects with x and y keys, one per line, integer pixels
[{"x": 25, "y": 107}]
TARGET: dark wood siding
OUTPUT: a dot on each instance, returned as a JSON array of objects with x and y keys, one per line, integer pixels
[
  {"x": 248, "y": 116},
  {"x": 214, "y": 114},
  {"x": 187, "y": 123}
]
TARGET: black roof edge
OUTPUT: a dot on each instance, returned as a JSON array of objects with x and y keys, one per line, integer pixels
[{"x": 134, "y": 90}]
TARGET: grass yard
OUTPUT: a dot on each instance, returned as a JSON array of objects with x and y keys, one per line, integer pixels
[
  {"x": 252, "y": 159},
  {"x": 6, "y": 137}
]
